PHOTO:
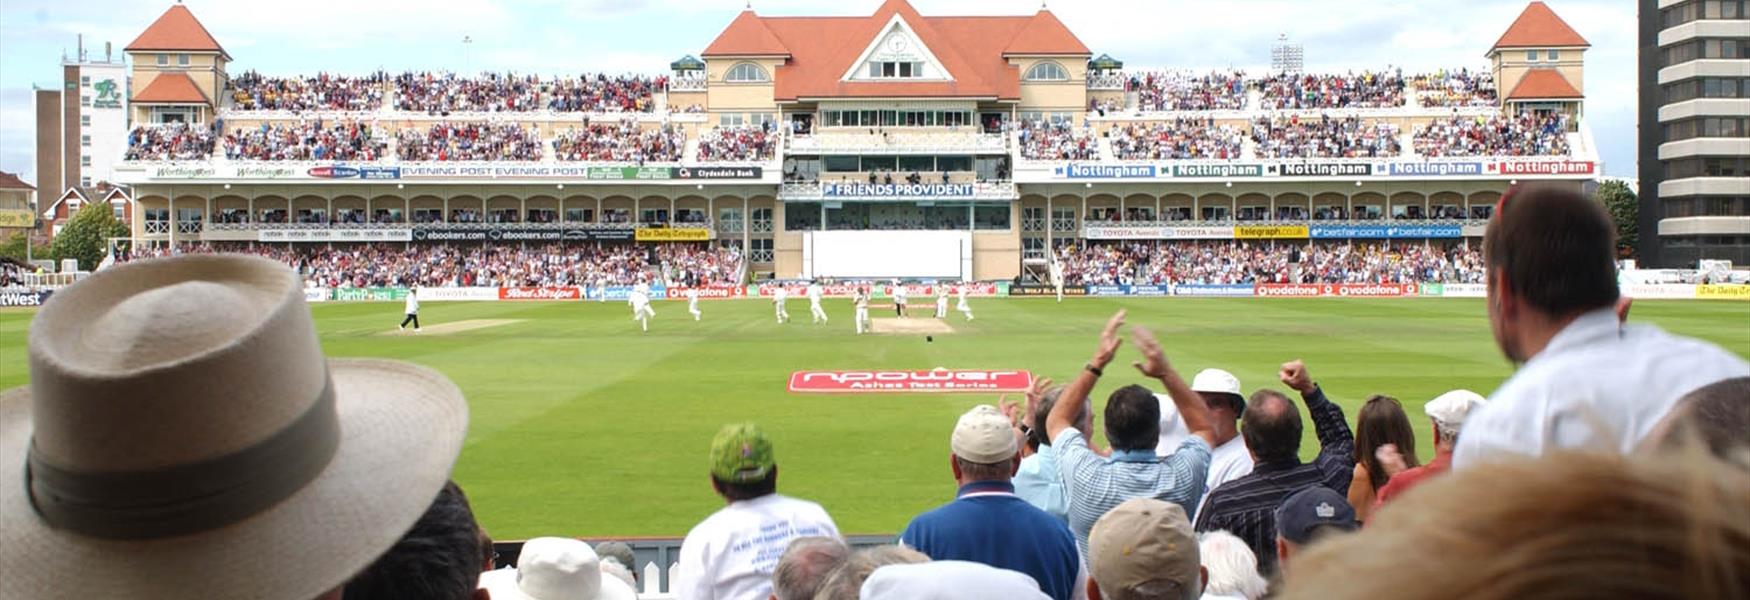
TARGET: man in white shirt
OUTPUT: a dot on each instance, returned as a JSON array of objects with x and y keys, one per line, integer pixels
[
  {"x": 412, "y": 310},
  {"x": 731, "y": 554},
  {"x": 815, "y": 293},
  {"x": 1221, "y": 393},
  {"x": 779, "y": 296},
  {"x": 1586, "y": 380},
  {"x": 899, "y": 296},
  {"x": 1057, "y": 278},
  {"x": 861, "y": 299},
  {"x": 963, "y": 306},
  {"x": 942, "y": 301},
  {"x": 639, "y": 300},
  {"x": 693, "y": 302}
]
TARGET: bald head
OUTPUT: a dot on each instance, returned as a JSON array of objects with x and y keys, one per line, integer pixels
[
  {"x": 1271, "y": 426},
  {"x": 804, "y": 565},
  {"x": 1716, "y": 415}
]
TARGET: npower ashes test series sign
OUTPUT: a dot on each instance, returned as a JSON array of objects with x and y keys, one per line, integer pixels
[{"x": 938, "y": 381}]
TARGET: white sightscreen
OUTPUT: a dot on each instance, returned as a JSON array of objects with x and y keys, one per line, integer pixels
[{"x": 887, "y": 254}]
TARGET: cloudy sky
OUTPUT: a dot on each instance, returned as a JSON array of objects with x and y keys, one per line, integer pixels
[{"x": 569, "y": 36}]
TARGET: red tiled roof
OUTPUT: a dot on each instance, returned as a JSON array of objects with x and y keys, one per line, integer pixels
[
  {"x": 177, "y": 29},
  {"x": 1541, "y": 84},
  {"x": 1538, "y": 26},
  {"x": 9, "y": 181},
  {"x": 971, "y": 49},
  {"x": 171, "y": 88},
  {"x": 747, "y": 35}
]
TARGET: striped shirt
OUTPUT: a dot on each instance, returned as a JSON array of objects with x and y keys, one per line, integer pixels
[
  {"x": 1246, "y": 506},
  {"x": 1095, "y": 484}
]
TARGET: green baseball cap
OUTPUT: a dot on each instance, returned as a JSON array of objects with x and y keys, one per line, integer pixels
[{"x": 741, "y": 453}]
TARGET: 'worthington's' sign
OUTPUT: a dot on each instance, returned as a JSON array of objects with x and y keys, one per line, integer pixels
[{"x": 940, "y": 381}]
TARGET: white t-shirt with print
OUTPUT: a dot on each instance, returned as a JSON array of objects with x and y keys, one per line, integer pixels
[{"x": 731, "y": 554}]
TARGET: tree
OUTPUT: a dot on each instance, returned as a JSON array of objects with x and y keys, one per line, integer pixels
[
  {"x": 1624, "y": 209},
  {"x": 12, "y": 246},
  {"x": 85, "y": 236}
]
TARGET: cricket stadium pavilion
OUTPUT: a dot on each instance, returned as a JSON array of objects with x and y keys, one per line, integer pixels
[{"x": 958, "y": 147}]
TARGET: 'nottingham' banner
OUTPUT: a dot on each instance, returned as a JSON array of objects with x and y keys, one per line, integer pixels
[
  {"x": 1324, "y": 169},
  {"x": 940, "y": 381},
  {"x": 1075, "y": 171},
  {"x": 1433, "y": 169}
]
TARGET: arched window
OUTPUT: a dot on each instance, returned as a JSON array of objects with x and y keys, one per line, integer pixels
[
  {"x": 1047, "y": 71},
  {"x": 746, "y": 72}
]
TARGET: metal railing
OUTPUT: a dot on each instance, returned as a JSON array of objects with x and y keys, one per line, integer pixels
[
  {"x": 762, "y": 226},
  {"x": 189, "y": 227},
  {"x": 1063, "y": 224},
  {"x": 729, "y": 226},
  {"x": 1108, "y": 82},
  {"x": 760, "y": 256},
  {"x": 1032, "y": 224},
  {"x": 157, "y": 227},
  {"x": 686, "y": 84}
]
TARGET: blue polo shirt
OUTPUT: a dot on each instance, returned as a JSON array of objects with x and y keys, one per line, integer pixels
[{"x": 987, "y": 523}]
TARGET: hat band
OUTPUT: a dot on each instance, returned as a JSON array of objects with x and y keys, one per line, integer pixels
[{"x": 190, "y": 498}]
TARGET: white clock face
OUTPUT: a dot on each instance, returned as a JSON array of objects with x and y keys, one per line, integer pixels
[{"x": 896, "y": 43}]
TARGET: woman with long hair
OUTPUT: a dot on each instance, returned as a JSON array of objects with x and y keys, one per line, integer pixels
[{"x": 1381, "y": 421}]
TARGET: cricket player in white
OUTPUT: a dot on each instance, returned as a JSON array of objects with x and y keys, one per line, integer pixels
[
  {"x": 899, "y": 298},
  {"x": 815, "y": 291},
  {"x": 412, "y": 310},
  {"x": 639, "y": 300},
  {"x": 963, "y": 307},
  {"x": 1057, "y": 277},
  {"x": 861, "y": 298},
  {"x": 941, "y": 301},
  {"x": 779, "y": 296},
  {"x": 693, "y": 302}
]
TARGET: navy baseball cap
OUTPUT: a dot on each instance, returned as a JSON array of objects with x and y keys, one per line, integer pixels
[{"x": 1307, "y": 510}]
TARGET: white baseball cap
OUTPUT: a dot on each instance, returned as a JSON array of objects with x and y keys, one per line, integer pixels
[
  {"x": 1216, "y": 381},
  {"x": 1451, "y": 408},
  {"x": 984, "y": 436}
]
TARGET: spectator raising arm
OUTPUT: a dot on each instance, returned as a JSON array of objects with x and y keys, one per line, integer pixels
[
  {"x": 1191, "y": 406},
  {"x": 1069, "y": 405},
  {"x": 1336, "y": 441}
]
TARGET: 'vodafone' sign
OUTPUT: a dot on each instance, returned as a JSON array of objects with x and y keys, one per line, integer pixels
[
  {"x": 1339, "y": 290},
  {"x": 939, "y": 381},
  {"x": 708, "y": 292}
]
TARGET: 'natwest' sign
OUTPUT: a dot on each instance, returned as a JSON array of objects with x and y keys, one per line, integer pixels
[
  {"x": 939, "y": 381},
  {"x": 539, "y": 293}
]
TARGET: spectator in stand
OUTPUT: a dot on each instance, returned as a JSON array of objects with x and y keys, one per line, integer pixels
[
  {"x": 1039, "y": 480},
  {"x": 1144, "y": 549},
  {"x": 1271, "y": 427},
  {"x": 947, "y": 580},
  {"x": 732, "y": 554},
  {"x": 1179, "y": 139},
  {"x": 283, "y": 488},
  {"x": 1380, "y": 422},
  {"x": 1230, "y": 460},
  {"x": 306, "y": 141},
  {"x": 558, "y": 568},
  {"x": 445, "y": 93},
  {"x": 439, "y": 559},
  {"x": 1458, "y": 88},
  {"x": 1310, "y": 515},
  {"x": 1586, "y": 380},
  {"x": 1230, "y": 570},
  {"x": 171, "y": 141},
  {"x": 1716, "y": 415},
  {"x": 747, "y": 143},
  {"x": 1296, "y": 91},
  {"x": 322, "y": 92},
  {"x": 1094, "y": 484},
  {"x": 1183, "y": 91},
  {"x": 445, "y": 141},
  {"x": 987, "y": 523},
  {"x": 620, "y": 552},
  {"x": 601, "y": 93},
  {"x": 1566, "y": 525},
  {"x": 1057, "y": 140},
  {"x": 1343, "y": 137},
  {"x": 1448, "y": 412},
  {"x": 846, "y": 581},
  {"x": 624, "y": 141},
  {"x": 805, "y": 565},
  {"x": 1526, "y": 134}
]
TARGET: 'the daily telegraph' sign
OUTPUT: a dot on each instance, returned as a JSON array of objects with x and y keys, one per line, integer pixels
[{"x": 939, "y": 381}]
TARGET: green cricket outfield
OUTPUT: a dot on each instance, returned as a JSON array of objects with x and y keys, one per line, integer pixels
[{"x": 583, "y": 426}]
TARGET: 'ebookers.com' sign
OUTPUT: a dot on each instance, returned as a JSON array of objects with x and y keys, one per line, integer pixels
[{"x": 940, "y": 381}]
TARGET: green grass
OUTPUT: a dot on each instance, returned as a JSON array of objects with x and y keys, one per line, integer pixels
[{"x": 582, "y": 426}]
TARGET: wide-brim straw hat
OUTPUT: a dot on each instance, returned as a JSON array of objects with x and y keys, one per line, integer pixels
[{"x": 183, "y": 436}]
